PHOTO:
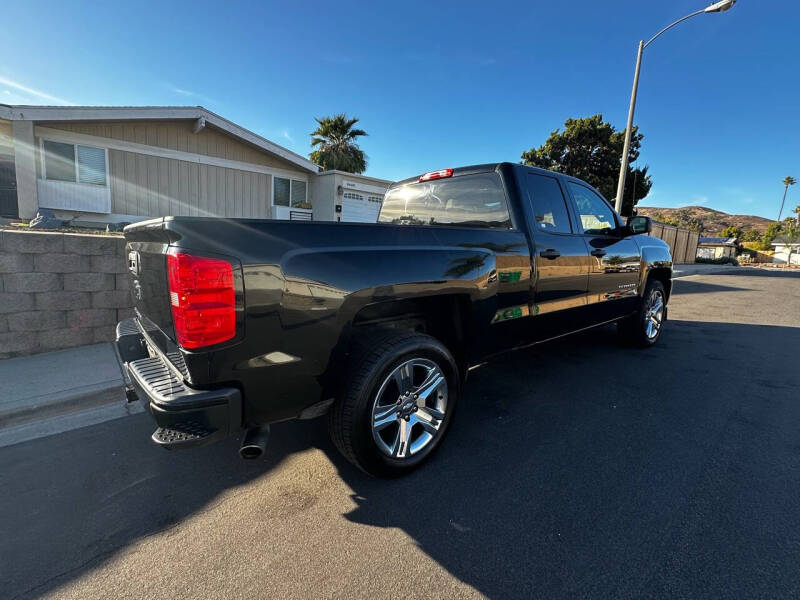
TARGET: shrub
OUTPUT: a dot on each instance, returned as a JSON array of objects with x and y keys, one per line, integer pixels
[{"x": 724, "y": 260}]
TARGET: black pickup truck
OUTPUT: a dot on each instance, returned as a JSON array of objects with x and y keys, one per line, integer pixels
[{"x": 242, "y": 323}]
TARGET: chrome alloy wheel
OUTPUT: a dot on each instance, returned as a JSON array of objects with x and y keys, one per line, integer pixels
[
  {"x": 654, "y": 314},
  {"x": 409, "y": 408}
]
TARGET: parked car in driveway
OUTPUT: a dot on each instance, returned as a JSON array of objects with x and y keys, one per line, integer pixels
[{"x": 242, "y": 323}]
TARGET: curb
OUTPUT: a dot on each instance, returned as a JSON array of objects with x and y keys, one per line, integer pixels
[
  {"x": 58, "y": 403},
  {"x": 61, "y": 423},
  {"x": 721, "y": 270}
]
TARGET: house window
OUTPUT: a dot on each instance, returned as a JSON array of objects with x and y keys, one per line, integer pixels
[
  {"x": 377, "y": 199},
  {"x": 74, "y": 163},
  {"x": 291, "y": 192},
  {"x": 281, "y": 197}
]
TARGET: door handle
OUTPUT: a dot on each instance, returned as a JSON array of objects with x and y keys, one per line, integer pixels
[
  {"x": 598, "y": 252},
  {"x": 550, "y": 254}
]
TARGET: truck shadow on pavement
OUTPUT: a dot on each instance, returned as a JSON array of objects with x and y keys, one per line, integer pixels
[
  {"x": 577, "y": 468},
  {"x": 684, "y": 286},
  {"x": 583, "y": 469}
]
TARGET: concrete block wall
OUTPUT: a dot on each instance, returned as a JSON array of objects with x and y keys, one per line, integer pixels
[{"x": 59, "y": 290}]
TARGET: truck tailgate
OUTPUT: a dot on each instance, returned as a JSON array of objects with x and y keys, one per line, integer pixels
[{"x": 146, "y": 250}]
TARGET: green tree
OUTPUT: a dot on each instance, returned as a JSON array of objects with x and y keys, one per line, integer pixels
[
  {"x": 787, "y": 181},
  {"x": 731, "y": 231},
  {"x": 336, "y": 147},
  {"x": 591, "y": 149},
  {"x": 797, "y": 212},
  {"x": 791, "y": 235},
  {"x": 751, "y": 235},
  {"x": 669, "y": 221},
  {"x": 770, "y": 234}
]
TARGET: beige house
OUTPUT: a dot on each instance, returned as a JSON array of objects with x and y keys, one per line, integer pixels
[{"x": 118, "y": 164}]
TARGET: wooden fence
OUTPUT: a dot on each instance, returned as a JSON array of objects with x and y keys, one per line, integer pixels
[{"x": 682, "y": 242}]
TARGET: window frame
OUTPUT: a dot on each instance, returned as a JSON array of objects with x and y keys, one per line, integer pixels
[
  {"x": 577, "y": 213},
  {"x": 291, "y": 187},
  {"x": 43, "y": 157}
]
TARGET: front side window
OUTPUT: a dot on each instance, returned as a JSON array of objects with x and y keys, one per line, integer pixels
[
  {"x": 547, "y": 201},
  {"x": 467, "y": 201},
  {"x": 595, "y": 214},
  {"x": 74, "y": 163}
]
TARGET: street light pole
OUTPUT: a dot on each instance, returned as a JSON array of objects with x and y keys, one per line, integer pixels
[
  {"x": 721, "y": 6},
  {"x": 623, "y": 171}
]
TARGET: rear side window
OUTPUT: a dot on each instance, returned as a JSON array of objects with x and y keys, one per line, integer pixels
[
  {"x": 466, "y": 201},
  {"x": 547, "y": 202}
]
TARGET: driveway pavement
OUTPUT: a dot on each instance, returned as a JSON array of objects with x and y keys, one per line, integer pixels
[{"x": 576, "y": 469}]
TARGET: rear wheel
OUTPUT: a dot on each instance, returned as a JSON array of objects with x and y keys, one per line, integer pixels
[
  {"x": 397, "y": 403},
  {"x": 643, "y": 328}
]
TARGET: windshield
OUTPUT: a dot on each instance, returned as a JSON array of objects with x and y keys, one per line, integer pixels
[{"x": 468, "y": 201}]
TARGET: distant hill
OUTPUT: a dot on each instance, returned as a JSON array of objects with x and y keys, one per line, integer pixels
[{"x": 707, "y": 220}]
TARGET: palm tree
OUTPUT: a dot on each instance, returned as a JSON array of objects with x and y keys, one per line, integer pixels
[
  {"x": 787, "y": 181},
  {"x": 336, "y": 147},
  {"x": 797, "y": 212}
]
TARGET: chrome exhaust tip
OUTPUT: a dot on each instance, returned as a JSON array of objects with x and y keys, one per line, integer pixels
[{"x": 254, "y": 443}]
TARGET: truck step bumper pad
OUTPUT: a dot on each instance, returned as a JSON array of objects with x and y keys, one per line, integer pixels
[
  {"x": 182, "y": 435},
  {"x": 185, "y": 416}
]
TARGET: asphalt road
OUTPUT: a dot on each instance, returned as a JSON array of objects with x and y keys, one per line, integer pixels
[{"x": 576, "y": 469}]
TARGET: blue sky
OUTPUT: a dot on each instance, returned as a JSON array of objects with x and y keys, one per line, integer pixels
[{"x": 449, "y": 84}]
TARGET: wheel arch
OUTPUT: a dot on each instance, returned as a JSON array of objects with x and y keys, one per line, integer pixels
[
  {"x": 446, "y": 318},
  {"x": 663, "y": 275}
]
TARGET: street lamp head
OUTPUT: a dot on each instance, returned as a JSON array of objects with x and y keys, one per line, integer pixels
[{"x": 721, "y": 6}]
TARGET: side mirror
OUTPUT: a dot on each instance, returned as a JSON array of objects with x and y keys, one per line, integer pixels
[{"x": 639, "y": 225}]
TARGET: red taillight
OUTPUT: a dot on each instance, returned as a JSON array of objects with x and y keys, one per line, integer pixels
[
  {"x": 440, "y": 174},
  {"x": 203, "y": 299}
]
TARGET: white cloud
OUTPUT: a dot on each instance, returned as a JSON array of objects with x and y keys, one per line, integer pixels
[
  {"x": 696, "y": 199},
  {"x": 181, "y": 91},
  {"x": 189, "y": 93},
  {"x": 287, "y": 136},
  {"x": 32, "y": 92}
]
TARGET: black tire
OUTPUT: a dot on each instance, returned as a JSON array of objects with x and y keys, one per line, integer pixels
[
  {"x": 374, "y": 358},
  {"x": 634, "y": 329}
]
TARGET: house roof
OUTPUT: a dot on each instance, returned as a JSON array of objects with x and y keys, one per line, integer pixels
[
  {"x": 717, "y": 241},
  {"x": 782, "y": 241},
  {"x": 356, "y": 176},
  {"x": 151, "y": 113}
]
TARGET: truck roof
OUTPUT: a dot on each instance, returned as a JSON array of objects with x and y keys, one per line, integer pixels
[{"x": 485, "y": 168}]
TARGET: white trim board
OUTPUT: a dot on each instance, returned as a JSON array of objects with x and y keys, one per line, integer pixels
[
  {"x": 58, "y": 135},
  {"x": 358, "y": 186},
  {"x": 132, "y": 113}
]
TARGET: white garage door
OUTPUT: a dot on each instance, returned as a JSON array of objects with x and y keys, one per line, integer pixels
[{"x": 360, "y": 207}]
